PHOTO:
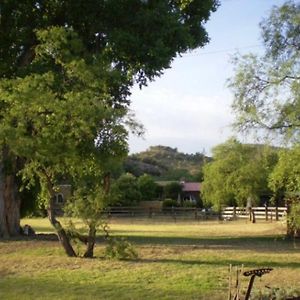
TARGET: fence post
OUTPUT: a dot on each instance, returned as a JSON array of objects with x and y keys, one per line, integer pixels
[
  {"x": 173, "y": 213},
  {"x": 252, "y": 215},
  {"x": 150, "y": 212},
  {"x": 196, "y": 213},
  {"x": 266, "y": 211},
  {"x": 276, "y": 213},
  {"x": 234, "y": 213}
]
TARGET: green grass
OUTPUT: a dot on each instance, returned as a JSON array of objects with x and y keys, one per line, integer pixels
[{"x": 176, "y": 261}]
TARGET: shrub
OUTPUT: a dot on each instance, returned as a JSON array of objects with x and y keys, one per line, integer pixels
[
  {"x": 172, "y": 190},
  {"x": 170, "y": 203},
  {"x": 189, "y": 204},
  {"x": 120, "y": 249}
]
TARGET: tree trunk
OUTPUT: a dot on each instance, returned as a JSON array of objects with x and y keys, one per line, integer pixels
[
  {"x": 3, "y": 227},
  {"x": 12, "y": 205},
  {"x": 61, "y": 233},
  {"x": 10, "y": 201},
  {"x": 91, "y": 242}
]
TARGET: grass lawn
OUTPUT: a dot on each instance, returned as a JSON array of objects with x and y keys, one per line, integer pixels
[{"x": 182, "y": 260}]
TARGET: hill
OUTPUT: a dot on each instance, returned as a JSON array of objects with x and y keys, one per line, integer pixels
[{"x": 166, "y": 163}]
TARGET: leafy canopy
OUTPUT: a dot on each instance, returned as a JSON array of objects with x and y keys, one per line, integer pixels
[
  {"x": 66, "y": 69},
  {"x": 285, "y": 176},
  {"x": 266, "y": 88},
  {"x": 237, "y": 173}
]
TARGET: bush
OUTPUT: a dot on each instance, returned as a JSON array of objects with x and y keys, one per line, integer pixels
[
  {"x": 294, "y": 219},
  {"x": 189, "y": 204},
  {"x": 120, "y": 249},
  {"x": 172, "y": 190},
  {"x": 170, "y": 203}
]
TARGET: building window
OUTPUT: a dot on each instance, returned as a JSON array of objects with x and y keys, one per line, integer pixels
[{"x": 59, "y": 199}]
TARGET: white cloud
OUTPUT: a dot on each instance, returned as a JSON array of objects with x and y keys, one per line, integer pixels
[{"x": 189, "y": 122}]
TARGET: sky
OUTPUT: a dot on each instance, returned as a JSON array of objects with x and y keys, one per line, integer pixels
[{"x": 189, "y": 106}]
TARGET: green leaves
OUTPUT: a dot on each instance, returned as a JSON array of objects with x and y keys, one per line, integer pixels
[
  {"x": 237, "y": 173},
  {"x": 266, "y": 88},
  {"x": 66, "y": 69},
  {"x": 286, "y": 175}
]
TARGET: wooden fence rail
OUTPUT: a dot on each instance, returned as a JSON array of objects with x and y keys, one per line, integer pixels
[
  {"x": 265, "y": 212},
  {"x": 227, "y": 213},
  {"x": 154, "y": 212}
]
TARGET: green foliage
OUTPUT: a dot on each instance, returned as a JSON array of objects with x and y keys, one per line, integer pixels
[
  {"x": 139, "y": 37},
  {"x": 66, "y": 70},
  {"x": 58, "y": 115},
  {"x": 126, "y": 190},
  {"x": 166, "y": 163},
  {"x": 285, "y": 176},
  {"x": 168, "y": 203},
  {"x": 172, "y": 190},
  {"x": 189, "y": 204},
  {"x": 147, "y": 187},
  {"x": 120, "y": 248},
  {"x": 266, "y": 88},
  {"x": 238, "y": 173},
  {"x": 87, "y": 203},
  {"x": 29, "y": 201},
  {"x": 294, "y": 218}
]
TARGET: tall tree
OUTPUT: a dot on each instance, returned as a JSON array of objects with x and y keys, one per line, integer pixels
[
  {"x": 285, "y": 177},
  {"x": 66, "y": 69},
  {"x": 237, "y": 174},
  {"x": 266, "y": 88},
  {"x": 126, "y": 190},
  {"x": 147, "y": 187},
  {"x": 285, "y": 182}
]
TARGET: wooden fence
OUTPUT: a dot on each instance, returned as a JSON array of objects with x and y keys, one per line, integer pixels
[
  {"x": 175, "y": 213},
  {"x": 266, "y": 213},
  {"x": 191, "y": 213}
]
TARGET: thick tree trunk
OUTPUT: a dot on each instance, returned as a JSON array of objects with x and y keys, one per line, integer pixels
[
  {"x": 10, "y": 201},
  {"x": 12, "y": 205},
  {"x": 3, "y": 227},
  {"x": 61, "y": 233}
]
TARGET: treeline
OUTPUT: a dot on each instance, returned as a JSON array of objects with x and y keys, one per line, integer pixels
[
  {"x": 129, "y": 190},
  {"x": 251, "y": 174}
]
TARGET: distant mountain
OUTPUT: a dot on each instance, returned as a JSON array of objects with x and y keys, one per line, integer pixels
[{"x": 166, "y": 163}]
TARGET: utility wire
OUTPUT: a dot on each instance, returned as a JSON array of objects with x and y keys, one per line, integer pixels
[{"x": 222, "y": 51}]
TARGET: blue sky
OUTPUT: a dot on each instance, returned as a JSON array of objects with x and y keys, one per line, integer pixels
[{"x": 189, "y": 106}]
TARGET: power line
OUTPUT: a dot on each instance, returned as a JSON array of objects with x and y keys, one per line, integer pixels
[{"x": 222, "y": 51}]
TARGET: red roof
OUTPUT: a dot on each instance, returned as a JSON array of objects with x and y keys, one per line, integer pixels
[{"x": 191, "y": 187}]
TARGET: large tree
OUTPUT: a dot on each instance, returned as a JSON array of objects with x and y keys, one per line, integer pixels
[
  {"x": 285, "y": 182},
  {"x": 285, "y": 177},
  {"x": 66, "y": 69},
  {"x": 238, "y": 173},
  {"x": 266, "y": 87},
  {"x": 267, "y": 91}
]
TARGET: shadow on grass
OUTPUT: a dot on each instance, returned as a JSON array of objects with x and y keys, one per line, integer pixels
[
  {"x": 268, "y": 243},
  {"x": 223, "y": 263},
  {"x": 262, "y": 244}
]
